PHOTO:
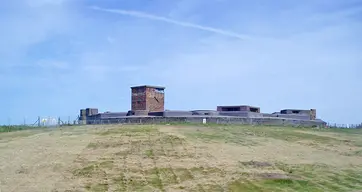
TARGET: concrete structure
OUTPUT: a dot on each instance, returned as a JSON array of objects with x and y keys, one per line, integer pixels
[
  {"x": 105, "y": 116},
  {"x": 148, "y": 98},
  {"x": 85, "y": 113},
  {"x": 239, "y": 108},
  {"x": 91, "y": 111},
  {"x": 211, "y": 119},
  {"x": 294, "y": 111},
  {"x": 148, "y": 106},
  {"x": 172, "y": 113},
  {"x": 301, "y": 113},
  {"x": 205, "y": 112},
  {"x": 240, "y": 114},
  {"x": 239, "y": 111}
]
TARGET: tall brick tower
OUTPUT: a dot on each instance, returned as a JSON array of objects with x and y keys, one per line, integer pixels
[{"x": 148, "y": 98}]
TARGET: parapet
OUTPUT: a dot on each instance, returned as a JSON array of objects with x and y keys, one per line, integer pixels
[{"x": 246, "y": 108}]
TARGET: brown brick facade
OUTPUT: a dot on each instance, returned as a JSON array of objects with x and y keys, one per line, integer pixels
[
  {"x": 149, "y": 98},
  {"x": 138, "y": 99}
]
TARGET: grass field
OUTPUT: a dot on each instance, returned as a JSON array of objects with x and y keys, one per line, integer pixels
[
  {"x": 181, "y": 158},
  {"x": 5, "y": 128}
]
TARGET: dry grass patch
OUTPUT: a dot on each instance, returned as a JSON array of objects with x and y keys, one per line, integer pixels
[{"x": 184, "y": 158}]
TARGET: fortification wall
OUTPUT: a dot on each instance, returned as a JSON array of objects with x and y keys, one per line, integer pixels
[{"x": 210, "y": 119}]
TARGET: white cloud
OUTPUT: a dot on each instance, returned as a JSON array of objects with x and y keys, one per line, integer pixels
[
  {"x": 171, "y": 21},
  {"x": 26, "y": 26},
  {"x": 297, "y": 71},
  {"x": 300, "y": 62}
]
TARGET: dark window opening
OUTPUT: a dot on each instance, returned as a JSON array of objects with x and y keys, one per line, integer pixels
[
  {"x": 231, "y": 109},
  {"x": 254, "y": 110},
  {"x": 295, "y": 112}
]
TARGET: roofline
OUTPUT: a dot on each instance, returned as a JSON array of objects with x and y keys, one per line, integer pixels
[
  {"x": 238, "y": 106},
  {"x": 150, "y": 86}
]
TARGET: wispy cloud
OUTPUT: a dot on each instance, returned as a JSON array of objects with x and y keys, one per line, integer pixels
[
  {"x": 171, "y": 21},
  {"x": 285, "y": 52}
]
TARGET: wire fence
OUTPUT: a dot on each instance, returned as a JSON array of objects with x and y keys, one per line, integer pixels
[
  {"x": 344, "y": 126},
  {"x": 42, "y": 121}
]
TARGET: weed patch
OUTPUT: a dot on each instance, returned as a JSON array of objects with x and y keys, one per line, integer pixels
[{"x": 133, "y": 130}]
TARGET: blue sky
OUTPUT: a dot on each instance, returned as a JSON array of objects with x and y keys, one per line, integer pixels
[{"x": 57, "y": 56}]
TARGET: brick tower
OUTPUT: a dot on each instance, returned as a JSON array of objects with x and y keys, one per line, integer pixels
[{"x": 148, "y": 98}]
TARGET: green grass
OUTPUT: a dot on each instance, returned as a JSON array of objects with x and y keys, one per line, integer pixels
[
  {"x": 154, "y": 147},
  {"x": 11, "y": 128},
  {"x": 217, "y": 135},
  {"x": 320, "y": 176},
  {"x": 353, "y": 153},
  {"x": 184, "y": 174},
  {"x": 241, "y": 134},
  {"x": 336, "y": 130},
  {"x": 94, "y": 168},
  {"x": 98, "y": 187},
  {"x": 149, "y": 153},
  {"x": 134, "y": 130}
]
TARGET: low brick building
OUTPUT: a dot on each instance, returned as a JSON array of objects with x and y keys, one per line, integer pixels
[{"x": 148, "y": 98}]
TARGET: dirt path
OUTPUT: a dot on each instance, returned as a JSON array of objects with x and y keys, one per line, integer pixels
[{"x": 39, "y": 162}]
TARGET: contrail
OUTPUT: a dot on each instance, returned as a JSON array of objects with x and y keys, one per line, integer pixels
[{"x": 171, "y": 21}]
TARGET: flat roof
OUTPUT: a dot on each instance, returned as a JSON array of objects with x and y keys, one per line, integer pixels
[
  {"x": 151, "y": 86},
  {"x": 295, "y": 110},
  {"x": 238, "y": 106}
]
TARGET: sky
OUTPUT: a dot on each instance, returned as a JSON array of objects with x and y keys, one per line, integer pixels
[{"x": 58, "y": 56}]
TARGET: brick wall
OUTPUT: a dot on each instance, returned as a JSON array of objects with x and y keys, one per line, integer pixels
[
  {"x": 155, "y": 100},
  {"x": 147, "y": 98},
  {"x": 138, "y": 99}
]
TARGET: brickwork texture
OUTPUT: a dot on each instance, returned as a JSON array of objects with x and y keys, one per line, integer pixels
[{"x": 147, "y": 98}]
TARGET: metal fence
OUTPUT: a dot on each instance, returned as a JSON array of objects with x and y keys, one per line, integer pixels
[
  {"x": 345, "y": 126},
  {"x": 42, "y": 121}
]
